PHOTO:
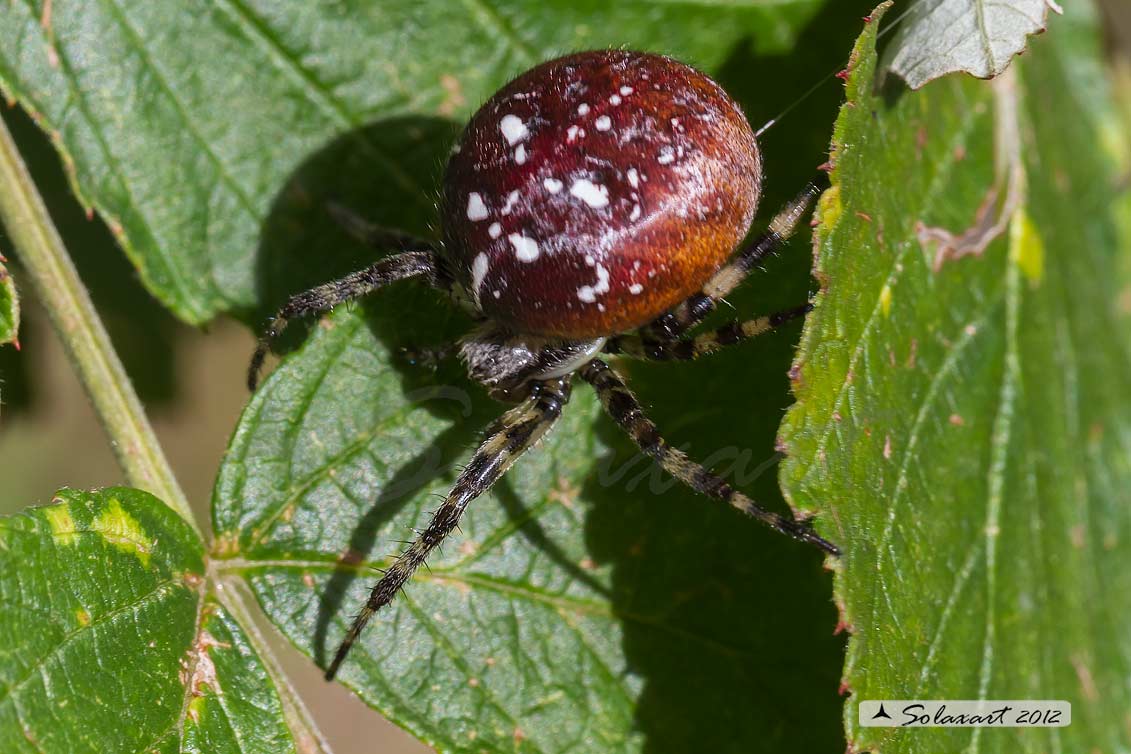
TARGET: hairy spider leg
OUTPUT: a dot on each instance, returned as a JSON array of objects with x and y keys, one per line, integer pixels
[
  {"x": 374, "y": 235},
  {"x": 513, "y": 434},
  {"x": 693, "y": 310},
  {"x": 735, "y": 331},
  {"x": 324, "y": 297},
  {"x": 626, "y": 411}
]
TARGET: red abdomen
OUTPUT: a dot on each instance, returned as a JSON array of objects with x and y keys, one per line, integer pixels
[{"x": 596, "y": 191}]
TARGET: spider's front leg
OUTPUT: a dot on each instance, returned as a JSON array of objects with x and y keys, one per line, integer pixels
[
  {"x": 639, "y": 347},
  {"x": 512, "y": 435},
  {"x": 681, "y": 318},
  {"x": 626, "y": 411},
  {"x": 324, "y": 297}
]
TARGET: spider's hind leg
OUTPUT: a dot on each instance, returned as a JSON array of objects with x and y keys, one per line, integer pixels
[
  {"x": 639, "y": 347},
  {"x": 626, "y": 411},
  {"x": 683, "y": 316},
  {"x": 508, "y": 438}
]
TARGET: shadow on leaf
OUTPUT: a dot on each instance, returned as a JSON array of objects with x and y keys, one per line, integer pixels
[{"x": 728, "y": 625}]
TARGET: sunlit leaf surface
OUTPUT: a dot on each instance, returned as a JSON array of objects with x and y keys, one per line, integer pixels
[
  {"x": 111, "y": 642},
  {"x": 963, "y": 422},
  {"x": 979, "y": 37}
]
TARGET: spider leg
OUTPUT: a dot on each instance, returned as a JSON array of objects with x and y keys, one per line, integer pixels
[
  {"x": 626, "y": 411},
  {"x": 326, "y": 296},
  {"x": 683, "y": 316},
  {"x": 641, "y": 347},
  {"x": 374, "y": 235},
  {"x": 508, "y": 438}
]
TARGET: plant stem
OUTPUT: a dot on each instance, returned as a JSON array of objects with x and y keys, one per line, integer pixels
[{"x": 53, "y": 275}]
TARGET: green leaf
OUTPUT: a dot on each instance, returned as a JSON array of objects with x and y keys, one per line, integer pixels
[
  {"x": 585, "y": 606},
  {"x": 188, "y": 126},
  {"x": 9, "y": 307},
  {"x": 978, "y": 37},
  {"x": 963, "y": 422},
  {"x": 113, "y": 642}
]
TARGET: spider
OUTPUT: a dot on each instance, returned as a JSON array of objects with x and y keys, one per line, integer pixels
[{"x": 594, "y": 205}]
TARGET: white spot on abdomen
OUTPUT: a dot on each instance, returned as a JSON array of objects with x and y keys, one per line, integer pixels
[
  {"x": 633, "y": 178},
  {"x": 603, "y": 123},
  {"x": 593, "y": 194},
  {"x": 478, "y": 272},
  {"x": 626, "y": 90},
  {"x": 553, "y": 185},
  {"x": 512, "y": 197},
  {"x": 666, "y": 156},
  {"x": 514, "y": 130},
  {"x": 495, "y": 230},
  {"x": 526, "y": 249},
  {"x": 589, "y": 293},
  {"x": 635, "y": 289},
  {"x": 520, "y": 154},
  {"x": 476, "y": 209},
  {"x": 583, "y": 109}
]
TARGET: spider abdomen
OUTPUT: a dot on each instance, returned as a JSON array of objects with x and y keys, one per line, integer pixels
[{"x": 596, "y": 191}]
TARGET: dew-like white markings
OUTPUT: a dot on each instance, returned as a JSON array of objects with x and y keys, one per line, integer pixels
[
  {"x": 593, "y": 194},
  {"x": 667, "y": 155},
  {"x": 520, "y": 154},
  {"x": 635, "y": 215},
  {"x": 589, "y": 293},
  {"x": 496, "y": 294},
  {"x": 589, "y": 260},
  {"x": 677, "y": 125},
  {"x": 635, "y": 289},
  {"x": 583, "y": 108},
  {"x": 553, "y": 185},
  {"x": 514, "y": 130},
  {"x": 636, "y": 265},
  {"x": 626, "y": 90},
  {"x": 495, "y": 230},
  {"x": 633, "y": 178},
  {"x": 512, "y": 197},
  {"x": 603, "y": 123},
  {"x": 478, "y": 272},
  {"x": 526, "y": 249},
  {"x": 573, "y": 133},
  {"x": 614, "y": 100},
  {"x": 476, "y": 209}
]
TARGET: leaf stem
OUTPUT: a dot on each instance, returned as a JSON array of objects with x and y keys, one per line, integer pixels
[{"x": 40, "y": 249}]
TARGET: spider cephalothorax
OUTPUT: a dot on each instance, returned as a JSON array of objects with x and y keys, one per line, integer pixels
[{"x": 593, "y": 205}]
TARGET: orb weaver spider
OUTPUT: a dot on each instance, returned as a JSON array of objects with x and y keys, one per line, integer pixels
[{"x": 594, "y": 205}]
